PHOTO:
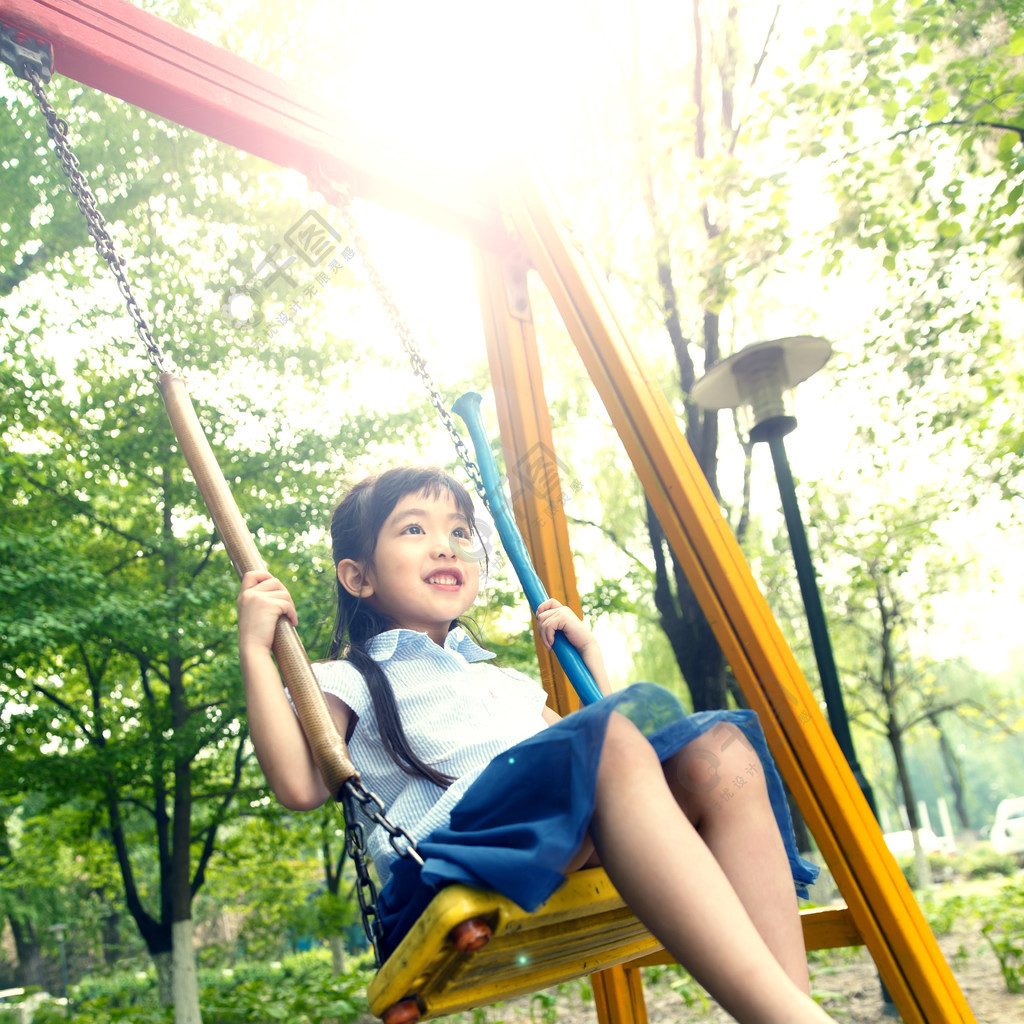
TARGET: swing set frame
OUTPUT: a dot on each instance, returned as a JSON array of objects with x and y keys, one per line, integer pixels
[{"x": 133, "y": 55}]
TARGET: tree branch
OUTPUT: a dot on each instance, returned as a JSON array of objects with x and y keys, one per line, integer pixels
[
  {"x": 84, "y": 509},
  {"x": 959, "y": 122},
  {"x": 66, "y": 708},
  {"x": 613, "y": 537}
]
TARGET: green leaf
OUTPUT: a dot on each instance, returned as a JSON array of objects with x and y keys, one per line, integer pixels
[
  {"x": 1008, "y": 142},
  {"x": 1015, "y": 47}
]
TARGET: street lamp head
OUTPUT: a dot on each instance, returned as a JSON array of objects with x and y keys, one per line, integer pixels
[{"x": 760, "y": 379}]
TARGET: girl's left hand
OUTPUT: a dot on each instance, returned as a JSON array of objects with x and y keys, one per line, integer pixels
[{"x": 553, "y": 616}]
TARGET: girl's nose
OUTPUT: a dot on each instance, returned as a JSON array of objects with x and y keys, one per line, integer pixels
[{"x": 443, "y": 549}]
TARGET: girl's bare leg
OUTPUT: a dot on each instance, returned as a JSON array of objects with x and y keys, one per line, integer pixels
[
  {"x": 719, "y": 783},
  {"x": 671, "y": 879}
]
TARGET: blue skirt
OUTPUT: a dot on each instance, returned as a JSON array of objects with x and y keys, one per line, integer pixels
[{"x": 520, "y": 823}]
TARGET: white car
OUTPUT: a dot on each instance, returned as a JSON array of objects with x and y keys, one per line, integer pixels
[
  {"x": 901, "y": 844},
  {"x": 1008, "y": 828}
]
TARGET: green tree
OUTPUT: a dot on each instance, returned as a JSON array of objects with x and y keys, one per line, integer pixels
[
  {"x": 691, "y": 227},
  {"x": 886, "y": 564},
  {"x": 912, "y": 112}
]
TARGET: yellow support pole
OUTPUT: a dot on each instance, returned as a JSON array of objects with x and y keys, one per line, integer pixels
[
  {"x": 880, "y": 901},
  {"x": 531, "y": 465},
  {"x": 525, "y": 426}
]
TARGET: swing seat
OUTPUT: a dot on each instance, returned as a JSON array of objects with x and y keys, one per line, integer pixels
[
  {"x": 584, "y": 927},
  {"x": 472, "y": 947}
]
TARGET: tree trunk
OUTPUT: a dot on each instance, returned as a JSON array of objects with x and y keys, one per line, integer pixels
[
  {"x": 110, "y": 937},
  {"x": 693, "y": 643},
  {"x": 337, "y": 954},
  {"x": 923, "y": 868},
  {"x": 30, "y": 955},
  {"x": 955, "y": 774},
  {"x": 185, "y": 983},
  {"x": 164, "y": 964}
]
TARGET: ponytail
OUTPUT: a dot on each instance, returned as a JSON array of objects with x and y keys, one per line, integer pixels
[{"x": 366, "y": 623}]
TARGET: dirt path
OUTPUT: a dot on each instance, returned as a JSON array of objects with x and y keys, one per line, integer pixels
[{"x": 848, "y": 977}]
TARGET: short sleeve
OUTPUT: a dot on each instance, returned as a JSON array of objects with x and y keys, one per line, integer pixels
[{"x": 343, "y": 680}]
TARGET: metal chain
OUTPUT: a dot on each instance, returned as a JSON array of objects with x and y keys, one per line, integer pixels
[
  {"x": 407, "y": 338},
  {"x": 402, "y": 843},
  {"x": 353, "y": 793},
  {"x": 355, "y": 843},
  {"x": 57, "y": 128}
]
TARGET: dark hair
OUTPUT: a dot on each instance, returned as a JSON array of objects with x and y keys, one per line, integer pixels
[{"x": 355, "y": 526}]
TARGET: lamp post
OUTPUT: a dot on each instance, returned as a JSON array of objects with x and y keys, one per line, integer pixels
[{"x": 760, "y": 378}]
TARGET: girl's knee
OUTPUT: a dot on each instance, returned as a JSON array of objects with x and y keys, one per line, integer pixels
[
  {"x": 625, "y": 749},
  {"x": 721, "y": 757}
]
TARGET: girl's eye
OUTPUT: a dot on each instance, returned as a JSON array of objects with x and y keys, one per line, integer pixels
[
  {"x": 413, "y": 528},
  {"x": 461, "y": 532}
]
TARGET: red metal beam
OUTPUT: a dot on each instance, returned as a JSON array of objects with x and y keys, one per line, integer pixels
[{"x": 115, "y": 47}]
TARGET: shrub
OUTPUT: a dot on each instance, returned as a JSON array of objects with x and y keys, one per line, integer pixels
[
  {"x": 982, "y": 861},
  {"x": 1002, "y": 925},
  {"x": 942, "y": 912},
  {"x": 300, "y": 989}
]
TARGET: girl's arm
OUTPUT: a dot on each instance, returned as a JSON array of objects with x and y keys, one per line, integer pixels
[
  {"x": 277, "y": 735},
  {"x": 552, "y": 616}
]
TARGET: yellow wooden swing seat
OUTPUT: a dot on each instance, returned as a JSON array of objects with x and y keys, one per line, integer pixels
[{"x": 584, "y": 927}]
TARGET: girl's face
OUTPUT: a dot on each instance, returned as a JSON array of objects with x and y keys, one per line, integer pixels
[{"x": 423, "y": 573}]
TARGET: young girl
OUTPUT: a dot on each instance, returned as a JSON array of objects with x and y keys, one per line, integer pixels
[{"x": 685, "y": 813}]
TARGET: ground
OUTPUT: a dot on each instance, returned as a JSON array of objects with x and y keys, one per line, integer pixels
[{"x": 847, "y": 979}]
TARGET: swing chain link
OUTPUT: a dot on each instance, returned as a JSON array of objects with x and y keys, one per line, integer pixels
[
  {"x": 353, "y": 793},
  {"x": 57, "y": 128},
  {"x": 408, "y": 340}
]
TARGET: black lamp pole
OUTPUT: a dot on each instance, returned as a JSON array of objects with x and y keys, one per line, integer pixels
[
  {"x": 816, "y": 623},
  {"x": 759, "y": 377}
]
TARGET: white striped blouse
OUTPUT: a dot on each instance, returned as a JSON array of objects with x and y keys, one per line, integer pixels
[{"x": 458, "y": 713}]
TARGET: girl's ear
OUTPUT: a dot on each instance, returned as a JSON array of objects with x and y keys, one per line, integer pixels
[{"x": 353, "y": 579}]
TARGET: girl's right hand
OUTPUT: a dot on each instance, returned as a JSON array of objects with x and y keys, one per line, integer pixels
[{"x": 262, "y": 601}]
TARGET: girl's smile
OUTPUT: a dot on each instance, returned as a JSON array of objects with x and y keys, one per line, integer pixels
[{"x": 447, "y": 579}]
